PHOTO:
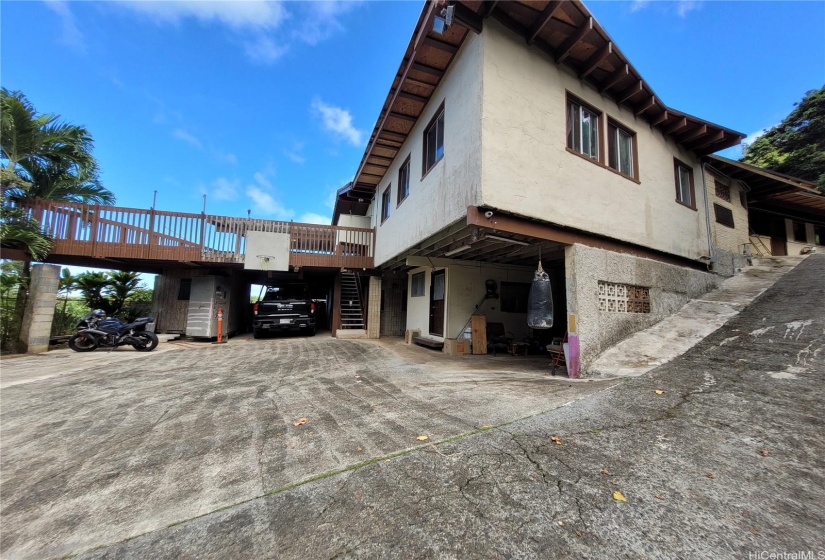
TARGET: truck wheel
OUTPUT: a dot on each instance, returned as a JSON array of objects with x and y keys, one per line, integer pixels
[{"x": 257, "y": 333}]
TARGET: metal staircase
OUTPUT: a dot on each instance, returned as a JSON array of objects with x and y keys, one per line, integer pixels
[{"x": 352, "y": 314}]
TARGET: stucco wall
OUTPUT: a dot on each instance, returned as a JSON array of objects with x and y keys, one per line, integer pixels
[
  {"x": 348, "y": 220},
  {"x": 465, "y": 286},
  {"x": 670, "y": 288},
  {"x": 795, "y": 247},
  {"x": 528, "y": 171},
  {"x": 442, "y": 196},
  {"x": 728, "y": 241}
]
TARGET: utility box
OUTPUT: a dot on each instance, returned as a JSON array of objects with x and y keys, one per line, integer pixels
[{"x": 207, "y": 295}]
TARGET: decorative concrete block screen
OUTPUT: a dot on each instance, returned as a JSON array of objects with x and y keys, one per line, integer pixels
[{"x": 623, "y": 298}]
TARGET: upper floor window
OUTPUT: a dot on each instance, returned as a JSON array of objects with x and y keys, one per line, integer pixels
[
  {"x": 685, "y": 193},
  {"x": 385, "y": 203},
  {"x": 434, "y": 141},
  {"x": 721, "y": 190},
  {"x": 582, "y": 129},
  {"x": 620, "y": 149},
  {"x": 404, "y": 181}
]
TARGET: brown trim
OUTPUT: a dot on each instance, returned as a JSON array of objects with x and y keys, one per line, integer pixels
[
  {"x": 634, "y": 147},
  {"x": 387, "y": 191},
  {"x": 603, "y": 166},
  {"x": 550, "y": 232},
  {"x": 600, "y": 117},
  {"x": 409, "y": 183},
  {"x": 438, "y": 112},
  {"x": 679, "y": 163}
]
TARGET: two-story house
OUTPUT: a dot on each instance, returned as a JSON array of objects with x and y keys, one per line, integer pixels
[{"x": 521, "y": 132}]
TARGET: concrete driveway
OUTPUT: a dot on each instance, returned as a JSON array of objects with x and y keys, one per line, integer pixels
[{"x": 101, "y": 447}]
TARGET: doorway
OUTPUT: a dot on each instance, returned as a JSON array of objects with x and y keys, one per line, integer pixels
[{"x": 437, "y": 292}]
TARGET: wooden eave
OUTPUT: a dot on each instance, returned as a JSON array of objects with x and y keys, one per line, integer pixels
[
  {"x": 769, "y": 188},
  {"x": 566, "y": 32}
]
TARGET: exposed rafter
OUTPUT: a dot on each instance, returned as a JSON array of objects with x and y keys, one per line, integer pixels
[
  {"x": 440, "y": 45},
  {"x": 677, "y": 126},
  {"x": 633, "y": 90},
  {"x": 660, "y": 119},
  {"x": 542, "y": 19},
  {"x": 692, "y": 135},
  {"x": 565, "y": 48},
  {"x": 646, "y": 105},
  {"x": 621, "y": 73},
  {"x": 594, "y": 61}
]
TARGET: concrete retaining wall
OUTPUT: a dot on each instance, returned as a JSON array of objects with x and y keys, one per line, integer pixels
[{"x": 670, "y": 286}]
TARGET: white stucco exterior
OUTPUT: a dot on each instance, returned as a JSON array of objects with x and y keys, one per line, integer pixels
[
  {"x": 527, "y": 170},
  {"x": 440, "y": 197}
]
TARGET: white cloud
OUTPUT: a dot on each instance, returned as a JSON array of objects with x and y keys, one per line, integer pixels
[
  {"x": 262, "y": 198},
  {"x": 249, "y": 14},
  {"x": 187, "y": 137},
  {"x": 70, "y": 34},
  {"x": 258, "y": 25},
  {"x": 329, "y": 201},
  {"x": 224, "y": 189},
  {"x": 294, "y": 154},
  {"x": 338, "y": 121},
  {"x": 637, "y": 5},
  {"x": 683, "y": 7},
  {"x": 313, "y": 218}
]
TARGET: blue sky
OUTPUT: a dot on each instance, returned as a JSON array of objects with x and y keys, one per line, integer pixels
[{"x": 267, "y": 106}]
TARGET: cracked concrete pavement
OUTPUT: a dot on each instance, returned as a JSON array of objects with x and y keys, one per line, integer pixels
[
  {"x": 726, "y": 461},
  {"x": 101, "y": 447}
]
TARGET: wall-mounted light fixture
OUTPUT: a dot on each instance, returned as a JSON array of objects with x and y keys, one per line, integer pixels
[
  {"x": 444, "y": 21},
  {"x": 457, "y": 250}
]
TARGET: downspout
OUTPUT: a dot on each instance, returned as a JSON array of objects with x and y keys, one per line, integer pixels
[{"x": 711, "y": 249}]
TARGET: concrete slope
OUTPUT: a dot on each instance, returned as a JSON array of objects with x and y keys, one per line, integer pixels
[
  {"x": 675, "y": 335},
  {"x": 717, "y": 454}
]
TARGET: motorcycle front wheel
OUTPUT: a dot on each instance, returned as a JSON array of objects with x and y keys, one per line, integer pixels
[
  {"x": 149, "y": 341},
  {"x": 82, "y": 342}
]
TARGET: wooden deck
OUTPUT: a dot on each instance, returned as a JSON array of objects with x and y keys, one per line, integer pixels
[{"x": 109, "y": 232}]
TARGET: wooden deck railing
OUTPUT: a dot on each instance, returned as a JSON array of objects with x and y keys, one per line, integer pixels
[{"x": 131, "y": 233}]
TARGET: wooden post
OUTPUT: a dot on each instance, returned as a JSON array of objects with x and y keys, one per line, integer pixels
[
  {"x": 151, "y": 232},
  {"x": 478, "y": 323},
  {"x": 93, "y": 234}
]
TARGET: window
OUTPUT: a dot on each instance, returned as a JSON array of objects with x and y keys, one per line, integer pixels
[
  {"x": 385, "y": 203},
  {"x": 582, "y": 129},
  {"x": 404, "y": 181},
  {"x": 434, "y": 141},
  {"x": 799, "y": 233},
  {"x": 819, "y": 235},
  {"x": 684, "y": 184},
  {"x": 185, "y": 289},
  {"x": 514, "y": 297},
  {"x": 417, "y": 288},
  {"x": 724, "y": 215},
  {"x": 722, "y": 191},
  {"x": 620, "y": 154}
]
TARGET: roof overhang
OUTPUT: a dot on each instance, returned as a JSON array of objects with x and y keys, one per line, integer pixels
[
  {"x": 564, "y": 30},
  {"x": 770, "y": 190}
]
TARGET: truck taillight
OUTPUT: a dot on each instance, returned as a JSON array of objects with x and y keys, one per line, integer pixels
[
  {"x": 312, "y": 307},
  {"x": 255, "y": 309}
]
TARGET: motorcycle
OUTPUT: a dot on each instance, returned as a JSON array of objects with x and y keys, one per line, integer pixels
[{"x": 95, "y": 330}]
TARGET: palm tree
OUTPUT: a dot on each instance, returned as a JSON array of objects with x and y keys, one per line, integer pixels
[
  {"x": 92, "y": 286},
  {"x": 66, "y": 285},
  {"x": 122, "y": 284}
]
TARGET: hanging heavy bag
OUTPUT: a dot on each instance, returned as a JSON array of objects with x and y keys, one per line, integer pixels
[{"x": 540, "y": 301}]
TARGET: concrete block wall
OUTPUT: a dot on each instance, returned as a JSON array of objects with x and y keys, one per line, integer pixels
[
  {"x": 726, "y": 240},
  {"x": 374, "y": 307},
  {"x": 39, "y": 312},
  {"x": 393, "y": 317},
  {"x": 670, "y": 286}
]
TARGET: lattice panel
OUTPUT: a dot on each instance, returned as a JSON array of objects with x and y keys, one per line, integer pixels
[
  {"x": 623, "y": 298},
  {"x": 723, "y": 192}
]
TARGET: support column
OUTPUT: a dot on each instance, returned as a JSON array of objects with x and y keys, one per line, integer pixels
[
  {"x": 37, "y": 318},
  {"x": 374, "y": 308}
]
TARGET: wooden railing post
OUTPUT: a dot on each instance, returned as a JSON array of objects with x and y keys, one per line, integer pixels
[
  {"x": 152, "y": 236},
  {"x": 203, "y": 234},
  {"x": 93, "y": 233}
]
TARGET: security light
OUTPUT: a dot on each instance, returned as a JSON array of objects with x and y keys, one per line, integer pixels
[
  {"x": 439, "y": 25},
  {"x": 457, "y": 250}
]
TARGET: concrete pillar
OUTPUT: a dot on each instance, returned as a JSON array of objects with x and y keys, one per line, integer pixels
[
  {"x": 37, "y": 318},
  {"x": 374, "y": 308}
]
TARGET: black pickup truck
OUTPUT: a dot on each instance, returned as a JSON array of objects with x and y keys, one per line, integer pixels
[{"x": 286, "y": 307}]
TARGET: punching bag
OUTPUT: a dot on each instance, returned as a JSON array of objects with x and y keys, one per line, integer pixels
[{"x": 540, "y": 301}]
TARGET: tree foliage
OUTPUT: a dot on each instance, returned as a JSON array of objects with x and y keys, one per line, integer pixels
[
  {"x": 796, "y": 146},
  {"x": 111, "y": 291}
]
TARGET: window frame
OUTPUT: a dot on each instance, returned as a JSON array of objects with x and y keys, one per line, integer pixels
[
  {"x": 677, "y": 163},
  {"x": 439, "y": 115},
  {"x": 515, "y": 300},
  {"x": 572, "y": 99},
  {"x": 634, "y": 150},
  {"x": 405, "y": 165},
  {"x": 723, "y": 219},
  {"x": 386, "y": 203},
  {"x": 423, "y": 277}
]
